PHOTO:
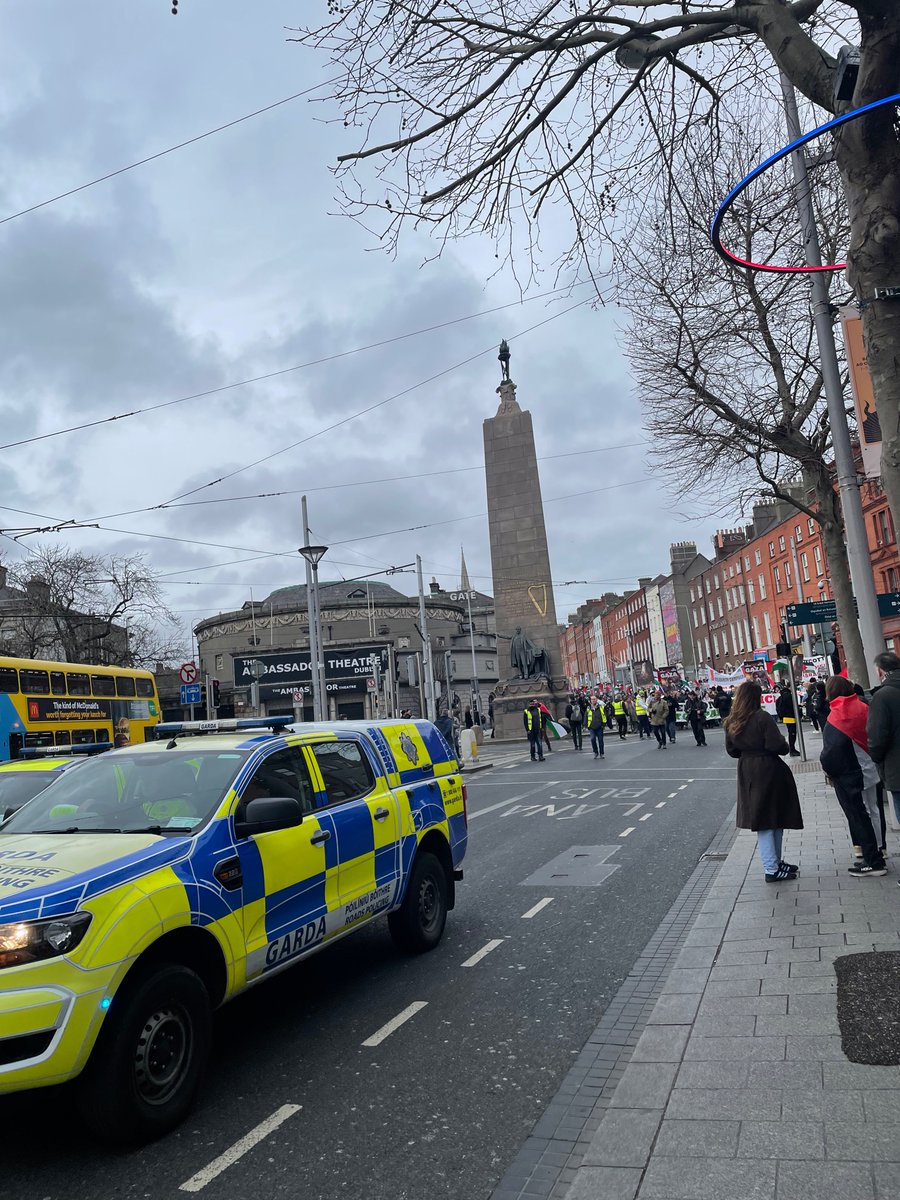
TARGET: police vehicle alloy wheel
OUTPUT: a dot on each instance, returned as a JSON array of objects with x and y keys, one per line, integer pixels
[
  {"x": 148, "y": 1062},
  {"x": 419, "y": 923}
]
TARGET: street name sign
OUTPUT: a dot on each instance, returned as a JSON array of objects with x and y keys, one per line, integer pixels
[{"x": 812, "y": 613}]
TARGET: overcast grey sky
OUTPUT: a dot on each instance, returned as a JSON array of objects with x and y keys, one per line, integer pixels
[{"x": 224, "y": 261}]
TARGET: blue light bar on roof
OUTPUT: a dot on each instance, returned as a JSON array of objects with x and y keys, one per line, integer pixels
[
  {"x": 64, "y": 751},
  {"x": 230, "y": 725}
]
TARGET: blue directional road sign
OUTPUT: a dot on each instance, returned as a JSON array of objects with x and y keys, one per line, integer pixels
[
  {"x": 190, "y": 693},
  {"x": 812, "y": 613},
  {"x": 889, "y": 603}
]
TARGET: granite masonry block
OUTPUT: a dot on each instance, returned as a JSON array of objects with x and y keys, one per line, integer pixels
[
  {"x": 707, "y": 1179},
  {"x": 623, "y": 1138},
  {"x": 823, "y": 1181},
  {"x": 731, "y": 987},
  {"x": 696, "y": 956},
  {"x": 675, "y": 1009},
  {"x": 804, "y": 1026},
  {"x": 612, "y": 1183},
  {"x": 818, "y": 1105},
  {"x": 726, "y": 1025},
  {"x": 862, "y": 1142},
  {"x": 722, "y": 1006},
  {"x": 644, "y": 1085},
  {"x": 806, "y": 1075},
  {"x": 698, "y": 1139},
  {"x": 824, "y": 1048},
  {"x": 782, "y": 1139},
  {"x": 685, "y": 980},
  {"x": 757, "y": 1049},
  {"x": 878, "y": 1106},
  {"x": 661, "y": 1044},
  {"x": 724, "y": 1104}
]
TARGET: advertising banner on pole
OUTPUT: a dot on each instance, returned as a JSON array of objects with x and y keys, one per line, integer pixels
[{"x": 867, "y": 422}]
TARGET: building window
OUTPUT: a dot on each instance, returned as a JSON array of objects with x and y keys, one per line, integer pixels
[
  {"x": 757, "y": 554},
  {"x": 768, "y": 626},
  {"x": 884, "y": 529},
  {"x": 721, "y": 610},
  {"x": 706, "y": 648},
  {"x": 787, "y": 576},
  {"x": 220, "y": 663},
  {"x": 716, "y": 644},
  {"x": 752, "y": 591},
  {"x": 771, "y": 549},
  {"x": 810, "y": 526},
  {"x": 756, "y": 631},
  {"x": 696, "y": 619},
  {"x": 728, "y": 603},
  {"x": 776, "y": 574},
  {"x": 890, "y": 580},
  {"x": 761, "y": 580},
  {"x": 798, "y": 533},
  {"x": 740, "y": 592},
  {"x": 817, "y": 555},
  {"x": 718, "y": 581},
  {"x": 707, "y": 586},
  {"x": 804, "y": 566},
  {"x": 746, "y": 562},
  {"x": 781, "y": 545}
]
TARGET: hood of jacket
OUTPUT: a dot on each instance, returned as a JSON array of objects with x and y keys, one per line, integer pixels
[{"x": 849, "y": 715}]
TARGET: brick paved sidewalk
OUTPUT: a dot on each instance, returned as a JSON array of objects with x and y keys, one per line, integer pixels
[{"x": 738, "y": 1088}]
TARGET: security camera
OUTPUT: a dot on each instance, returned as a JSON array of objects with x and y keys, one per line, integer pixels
[{"x": 821, "y": 585}]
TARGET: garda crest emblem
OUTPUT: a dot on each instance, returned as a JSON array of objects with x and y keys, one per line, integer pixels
[{"x": 409, "y": 748}]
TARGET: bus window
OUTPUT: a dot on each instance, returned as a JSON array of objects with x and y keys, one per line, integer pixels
[
  {"x": 15, "y": 745},
  {"x": 9, "y": 679},
  {"x": 145, "y": 688},
  {"x": 39, "y": 739},
  {"x": 79, "y": 685},
  {"x": 63, "y": 737},
  {"x": 124, "y": 685},
  {"x": 83, "y": 737},
  {"x": 58, "y": 684},
  {"x": 35, "y": 683},
  {"x": 103, "y": 685}
]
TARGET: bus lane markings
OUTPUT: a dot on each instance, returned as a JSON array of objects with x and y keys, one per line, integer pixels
[
  {"x": 395, "y": 1022},
  {"x": 541, "y": 904},
  {"x": 234, "y": 1153},
  {"x": 482, "y": 812},
  {"x": 483, "y": 952}
]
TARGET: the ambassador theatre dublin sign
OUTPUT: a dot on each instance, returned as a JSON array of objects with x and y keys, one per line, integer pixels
[{"x": 282, "y": 674}]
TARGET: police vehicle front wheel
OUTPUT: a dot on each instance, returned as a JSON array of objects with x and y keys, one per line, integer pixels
[
  {"x": 147, "y": 1064},
  {"x": 419, "y": 922}
]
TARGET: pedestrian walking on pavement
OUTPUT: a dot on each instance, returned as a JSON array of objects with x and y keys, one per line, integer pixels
[
  {"x": 784, "y": 708},
  {"x": 672, "y": 719},
  {"x": 642, "y": 712},
  {"x": 631, "y": 713},
  {"x": 575, "y": 717},
  {"x": 534, "y": 728},
  {"x": 548, "y": 716},
  {"x": 596, "y": 719},
  {"x": 695, "y": 711},
  {"x": 621, "y": 715},
  {"x": 767, "y": 800},
  {"x": 810, "y": 705},
  {"x": 659, "y": 715},
  {"x": 852, "y": 773},
  {"x": 883, "y": 725}
]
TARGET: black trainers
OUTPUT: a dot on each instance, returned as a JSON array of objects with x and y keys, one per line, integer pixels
[
  {"x": 862, "y": 871},
  {"x": 784, "y": 872},
  {"x": 789, "y": 866}
]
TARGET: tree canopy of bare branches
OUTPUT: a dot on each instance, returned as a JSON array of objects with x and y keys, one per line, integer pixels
[
  {"x": 495, "y": 117},
  {"x": 88, "y": 608}
]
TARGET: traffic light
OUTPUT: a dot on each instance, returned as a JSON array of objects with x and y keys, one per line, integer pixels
[{"x": 215, "y": 693}]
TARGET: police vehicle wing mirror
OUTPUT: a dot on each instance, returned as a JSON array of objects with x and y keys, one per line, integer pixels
[{"x": 268, "y": 813}]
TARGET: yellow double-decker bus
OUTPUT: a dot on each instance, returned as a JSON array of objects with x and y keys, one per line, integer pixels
[{"x": 72, "y": 704}]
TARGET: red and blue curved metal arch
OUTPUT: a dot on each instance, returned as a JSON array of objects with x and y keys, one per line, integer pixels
[{"x": 716, "y": 230}]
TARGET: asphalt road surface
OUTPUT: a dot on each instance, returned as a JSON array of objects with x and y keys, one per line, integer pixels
[{"x": 296, "y": 1103}]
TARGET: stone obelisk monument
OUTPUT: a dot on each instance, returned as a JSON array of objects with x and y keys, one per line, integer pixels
[{"x": 527, "y": 630}]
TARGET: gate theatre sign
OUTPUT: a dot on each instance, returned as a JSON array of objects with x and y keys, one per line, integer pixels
[{"x": 286, "y": 671}]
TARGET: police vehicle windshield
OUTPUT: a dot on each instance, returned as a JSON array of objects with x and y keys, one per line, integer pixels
[
  {"x": 18, "y": 787},
  {"x": 166, "y": 793}
]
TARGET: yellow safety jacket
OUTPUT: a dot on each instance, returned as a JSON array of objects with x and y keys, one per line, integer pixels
[
  {"x": 529, "y": 720},
  {"x": 619, "y": 708},
  {"x": 640, "y": 706},
  {"x": 597, "y": 713}
]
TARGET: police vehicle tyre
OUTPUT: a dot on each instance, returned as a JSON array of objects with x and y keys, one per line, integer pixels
[
  {"x": 418, "y": 924},
  {"x": 147, "y": 1064}
]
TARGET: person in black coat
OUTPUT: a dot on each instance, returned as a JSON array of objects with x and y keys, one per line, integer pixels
[
  {"x": 767, "y": 793},
  {"x": 847, "y": 764},
  {"x": 784, "y": 708},
  {"x": 883, "y": 727},
  {"x": 695, "y": 711}
]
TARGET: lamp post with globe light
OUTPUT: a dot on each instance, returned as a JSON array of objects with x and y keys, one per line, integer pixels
[{"x": 313, "y": 556}]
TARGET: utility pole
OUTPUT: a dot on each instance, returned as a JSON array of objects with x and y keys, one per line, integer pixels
[
  {"x": 807, "y": 645},
  {"x": 848, "y": 482},
  {"x": 313, "y": 555},
  {"x": 476, "y": 686},
  {"x": 427, "y": 671}
]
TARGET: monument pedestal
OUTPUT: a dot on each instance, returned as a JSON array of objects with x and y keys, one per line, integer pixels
[{"x": 511, "y": 699}]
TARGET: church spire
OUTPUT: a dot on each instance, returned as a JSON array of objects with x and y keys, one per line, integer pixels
[{"x": 464, "y": 585}]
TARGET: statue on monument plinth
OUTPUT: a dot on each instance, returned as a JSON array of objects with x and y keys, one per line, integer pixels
[{"x": 525, "y": 658}]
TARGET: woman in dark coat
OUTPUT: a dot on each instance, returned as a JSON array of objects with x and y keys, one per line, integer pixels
[{"x": 767, "y": 794}]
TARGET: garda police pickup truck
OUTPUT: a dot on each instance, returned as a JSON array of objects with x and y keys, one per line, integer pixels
[{"x": 153, "y": 883}]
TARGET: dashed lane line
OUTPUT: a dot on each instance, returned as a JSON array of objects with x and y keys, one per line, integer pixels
[
  {"x": 684, "y": 785},
  {"x": 625, "y": 832},
  {"x": 671, "y": 795},
  {"x": 483, "y": 952},
  {"x": 541, "y": 904},
  {"x": 395, "y": 1022},
  {"x": 646, "y": 816},
  {"x": 662, "y": 804},
  {"x": 198, "y": 1182}
]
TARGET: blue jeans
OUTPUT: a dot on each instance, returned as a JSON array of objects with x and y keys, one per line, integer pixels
[
  {"x": 597, "y": 739},
  {"x": 670, "y": 730},
  {"x": 769, "y": 844}
]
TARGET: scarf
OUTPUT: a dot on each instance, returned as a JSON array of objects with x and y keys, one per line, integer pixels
[{"x": 848, "y": 714}]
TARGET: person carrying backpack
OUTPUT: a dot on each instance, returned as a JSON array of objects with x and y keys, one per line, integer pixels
[{"x": 575, "y": 717}]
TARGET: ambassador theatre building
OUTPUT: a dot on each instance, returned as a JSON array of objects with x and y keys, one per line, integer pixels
[{"x": 363, "y": 622}]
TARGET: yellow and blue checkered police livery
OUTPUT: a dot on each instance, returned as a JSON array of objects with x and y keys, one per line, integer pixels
[{"x": 202, "y": 864}]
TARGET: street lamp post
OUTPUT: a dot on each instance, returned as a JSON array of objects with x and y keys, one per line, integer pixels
[
  {"x": 313, "y": 556},
  {"x": 476, "y": 686}
]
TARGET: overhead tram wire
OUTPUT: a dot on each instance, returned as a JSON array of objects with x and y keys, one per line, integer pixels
[
  {"x": 330, "y": 487},
  {"x": 365, "y": 411},
  {"x": 557, "y": 293},
  {"x": 162, "y": 153}
]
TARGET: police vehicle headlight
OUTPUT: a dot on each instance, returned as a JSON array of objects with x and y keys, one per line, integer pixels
[{"x": 29, "y": 941}]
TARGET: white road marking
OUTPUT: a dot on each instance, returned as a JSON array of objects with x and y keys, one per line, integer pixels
[
  {"x": 199, "y": 1181},
  {"x": 625, "y": 832},
  {"x": 671, "y": 795},
  {"x": 512, "y": 800},
  {"x": 533, "y": 912},
  {"x": 646, "y": 816},
  {"x": 662, "y": 804},
  {"x": 395, "y": 1022},
  {"x": 683, "y": 786},
  {"x": 631, "y": 810},
  {"x": 483, "y": 952}
]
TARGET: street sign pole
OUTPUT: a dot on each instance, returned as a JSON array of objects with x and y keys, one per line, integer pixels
[{"x": 790, "y": 663}]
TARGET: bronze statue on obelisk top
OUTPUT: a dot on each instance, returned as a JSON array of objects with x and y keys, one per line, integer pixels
[{"x": 520, "y": 562}]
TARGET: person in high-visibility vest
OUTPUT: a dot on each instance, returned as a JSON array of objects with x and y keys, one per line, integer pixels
[
  {"x": 621, "y": 715},
  {"x": 533, "y": 719},
  {"x": 641, "y": 711},
  {"x": 596, "y": 719}
]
